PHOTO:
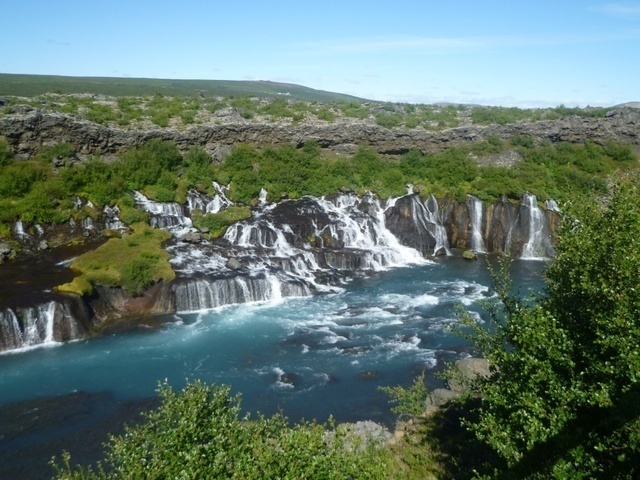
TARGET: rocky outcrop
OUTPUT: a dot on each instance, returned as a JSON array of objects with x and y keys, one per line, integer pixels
[{"x": 27, "y": 132}]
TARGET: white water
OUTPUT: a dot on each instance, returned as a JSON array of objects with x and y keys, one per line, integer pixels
[
  {"x": 476, "y": 214},
  {"x": 167, "y": 215},
  {"x": 533, "y": 250}
]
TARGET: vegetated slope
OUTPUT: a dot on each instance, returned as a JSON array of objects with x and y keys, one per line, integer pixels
[{"x": 32, "y": 85}]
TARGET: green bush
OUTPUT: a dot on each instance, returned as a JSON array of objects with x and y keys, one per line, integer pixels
[
  {"x": 200, "y": 433},
  {"x": 59, "y": 150},
  {"x": 388, "y": 120},
  {"x": 137, "y": 274},
  {"x": 17, "y": 179},
  {"x": 562, "y": 398},
  {"x": 411, "y": 401},
  {"x": 6, "y": 154}
]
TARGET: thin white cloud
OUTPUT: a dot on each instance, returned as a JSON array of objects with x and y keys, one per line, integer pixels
[
  {"x": 53, "y": 41},
  {"x": 618, "y": 10},
  {"x": 435, "y": 46}
]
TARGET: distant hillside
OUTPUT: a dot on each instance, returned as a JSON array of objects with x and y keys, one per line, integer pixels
[{"x": 32, "y": 85}]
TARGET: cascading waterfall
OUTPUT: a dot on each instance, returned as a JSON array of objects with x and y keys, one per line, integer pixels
[
  {"x": 367, "y": 231},
  {"x": 289, "y": 248},
  {"x": 208, "y": 203},
  {"x": 476, "y": 214},
  {"x": 45, "y": 324},
  {"x": 18, "y": 230},
  {"x": 552, "y": 205},
  {"x": 113, "y": 221},
  {"x": 439, "y": 232},
  {"x": 533, "y": 249},
  {"x": 10, "y": 334},
  {"x": 168, "y": 215}
]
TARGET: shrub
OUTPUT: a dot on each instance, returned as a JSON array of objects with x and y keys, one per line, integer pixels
[
  {"x": 137, "y": 274},
  {"x": 562, "y": 398},
  {"x": 6, "y": 154},
  {"x": 16, "y": 180},
  {"x": 199, "y": 433},
  {"x": 59, "y": 150}
]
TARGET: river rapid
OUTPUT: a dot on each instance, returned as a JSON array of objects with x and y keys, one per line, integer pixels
[{"x": 308, "y": 357}]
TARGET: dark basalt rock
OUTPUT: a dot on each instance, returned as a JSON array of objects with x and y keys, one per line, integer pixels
[{"x": 28, "y": 129}]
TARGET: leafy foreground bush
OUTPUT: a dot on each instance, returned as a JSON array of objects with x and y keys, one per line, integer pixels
[
  {"x": 562, "y": 401},
  {"x": 198, "y": 433}
]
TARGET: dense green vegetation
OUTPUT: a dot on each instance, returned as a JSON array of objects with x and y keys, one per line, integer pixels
[
  {"x": 216, "y": 223},
  {"x": 562, "y": 400},
  {"x": 549, "y": 171},
  {"x": 200, "y": 433},
  {"x": 38, "y": 191}
]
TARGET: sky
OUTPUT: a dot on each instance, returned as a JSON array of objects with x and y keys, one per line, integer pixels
[{"x": 509, "y": 53}]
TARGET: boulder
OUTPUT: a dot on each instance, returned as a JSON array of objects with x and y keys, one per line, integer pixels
[
  {"x": 191, "y": 237},
  {"x": 469, "y": 255},
  {"x": 233, "y": 264},
  {"x": 440, "y": 396}
]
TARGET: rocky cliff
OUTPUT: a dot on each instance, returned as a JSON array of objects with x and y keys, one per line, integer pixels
[{"x": 29, "y": 129}]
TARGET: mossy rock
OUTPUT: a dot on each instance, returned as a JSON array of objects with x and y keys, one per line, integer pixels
[{"x": 469, "y": 255}]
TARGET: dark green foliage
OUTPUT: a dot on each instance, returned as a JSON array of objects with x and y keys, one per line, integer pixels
[
  {"x": 59, "y": 150},
  {"x": 388, "y": 120},
  {"x": 354, "y": 109},
  {"x": 562, "y": 400},
  {"x": 143, "y": 165},
  {"x": 199, "y": 433},
  {"x": 137, "y": 274},
  {"x": 280, "y": 109},
  {"x": 100, "y": 113},
  {"x": 6, "y": 154},
  {"x": 409, "y": 401},
  {"x": 17, "y": 179}
]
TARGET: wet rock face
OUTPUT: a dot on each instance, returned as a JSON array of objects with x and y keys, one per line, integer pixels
[{"x": 401, "y": 219}]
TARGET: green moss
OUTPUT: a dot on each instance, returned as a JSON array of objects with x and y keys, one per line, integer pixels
[
  {"x": 216, "y": 223},
  {"x": 133, "y": 262}
]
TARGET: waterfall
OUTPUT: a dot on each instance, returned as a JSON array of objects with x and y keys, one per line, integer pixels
[
  {"x": 262, "y": 198},
  {"x": 203, "y": 293},
  {"x": 552, "y": 205},
  {"x": 10, "y": 334},
  {"x": 208, "y": 203},
  {"x": 18, "y": 230},
  {"x": 166, "y": 215},
  {"x": 87, "y": 223},
  {"x": 40, "y": 325},
  {"x": 535, "y": 246},
  {"x": 439, "y": 232},
  {"x": 476, "y": 214},
  {"x": 113, "y": 221}
]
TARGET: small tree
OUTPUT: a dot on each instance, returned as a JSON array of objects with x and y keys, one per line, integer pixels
[
  {"x": 199, "y": 433},
  {"x": 563, "y": 397}
]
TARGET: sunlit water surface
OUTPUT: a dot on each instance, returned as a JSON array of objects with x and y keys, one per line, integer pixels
[{"x": 306, "y": 357}]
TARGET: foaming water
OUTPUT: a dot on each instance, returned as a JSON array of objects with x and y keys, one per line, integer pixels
[{"x": 308, "y": 357}]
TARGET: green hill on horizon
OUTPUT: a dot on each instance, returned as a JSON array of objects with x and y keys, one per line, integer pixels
[{"x": 32, "y": 85}]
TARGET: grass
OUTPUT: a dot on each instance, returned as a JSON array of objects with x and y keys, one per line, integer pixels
[
  {"x": 216, "y": 223},
  {"x": 134, "y": 261},
  {"x": 33, "y": 85}
]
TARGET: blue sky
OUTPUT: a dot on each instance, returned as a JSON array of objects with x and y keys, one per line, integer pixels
[{"x": 525, "y": 53}]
